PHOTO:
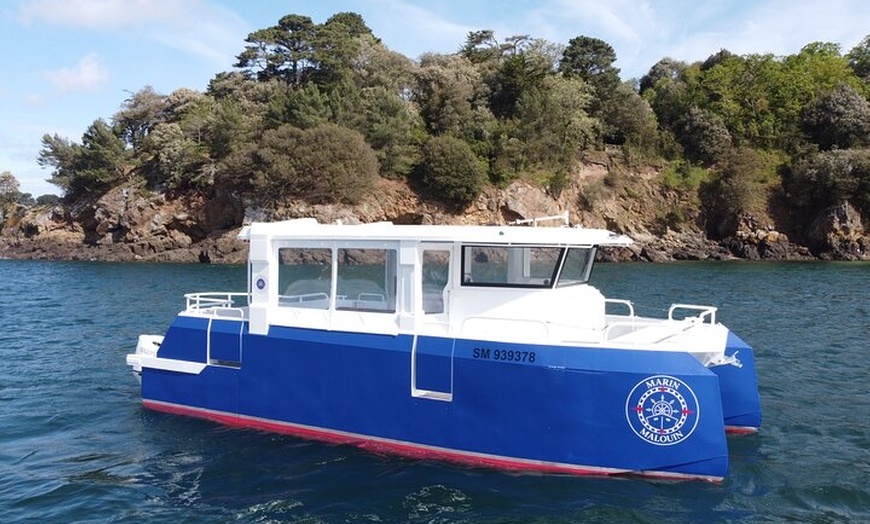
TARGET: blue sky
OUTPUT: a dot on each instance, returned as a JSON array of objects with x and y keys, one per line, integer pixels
[{"x": 70, "y": 62}]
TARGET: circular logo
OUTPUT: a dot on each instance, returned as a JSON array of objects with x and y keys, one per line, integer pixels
[
  {"x": 261, "y": 283},
  {"x": 662, "y": 410}
]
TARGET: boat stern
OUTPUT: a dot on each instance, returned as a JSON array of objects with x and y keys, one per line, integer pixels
[
  {"x": 146, "y": 347},
  {"x": 738, "y": 383}
]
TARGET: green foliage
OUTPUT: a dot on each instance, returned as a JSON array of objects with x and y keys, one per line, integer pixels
[
  {"x": 739, "y": 187},
  {"x": 282, "y": 51},
  {"x": 684, "y": 177},
  {"x": 523, "y": 68},
  {"x": 553, "y": 127},
  {"x": 176, "y": 160},
  {"x": 10, "y": 190},
  {"x": 451, "y": 171},
  {"x": 829, "y": 178},
  {"x": 317, "y": 110},
  {"x": 47, "y": 200},
  {"x": 393, "y": 130},
  {"x": 859, "y": 59},
  {"x": 705, "y": 138},
  {"x": 139, "y": 114},
  {"x": 628, "y": 119},
  {"x": 298, "y": 51},
  {"x": 88, "y": 169},
  {"x": 591, "y": 60},
  {"x": 838, "y": 119},
  {"x": 557, "y": 182},
  {"x": 447, "y": 91},
  {"x": 323, "y": 164}
]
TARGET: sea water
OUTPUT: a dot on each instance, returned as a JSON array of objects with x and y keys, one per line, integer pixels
[{"x": 76, "y": 445}]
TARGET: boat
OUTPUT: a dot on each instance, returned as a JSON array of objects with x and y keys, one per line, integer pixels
[{"x": 484, "y": 345}]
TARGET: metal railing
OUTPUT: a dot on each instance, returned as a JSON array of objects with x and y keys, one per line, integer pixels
[
  {"x": 218, "y": 304},
  {"x": 704, "y": 312},
  {"x": 676, "y": 326},
  {"x": 626, "y": 303}
]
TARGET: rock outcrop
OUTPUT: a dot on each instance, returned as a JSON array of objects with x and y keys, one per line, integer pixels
[{"x": 129, "y": 223}]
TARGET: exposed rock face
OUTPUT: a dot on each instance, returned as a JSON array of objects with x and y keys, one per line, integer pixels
[
  {"x": 756, "y": 240},
  {"x": 131, "y": 224},
  {"x": 838, "y": 234},
  {"x": 126, "y": 225}
]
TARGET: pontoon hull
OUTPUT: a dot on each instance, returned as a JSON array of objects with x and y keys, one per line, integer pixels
[{"x": 517, "y": 406}]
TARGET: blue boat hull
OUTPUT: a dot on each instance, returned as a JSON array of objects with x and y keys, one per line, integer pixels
[
  {"x": 739, "y": 386},
  {"x": 519, "y": 406}
]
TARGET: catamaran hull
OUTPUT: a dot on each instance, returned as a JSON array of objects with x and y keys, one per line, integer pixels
[
  {"x": 517, "y": 406},
  {"x": 739, "y": 386}
]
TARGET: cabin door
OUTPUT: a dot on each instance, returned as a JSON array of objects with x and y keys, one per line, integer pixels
[
  {"x": 432, "y": 368},
  {"x": 225, "y": 342}
]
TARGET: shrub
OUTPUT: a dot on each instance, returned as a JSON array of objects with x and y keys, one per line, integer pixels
[
  {"x": 328, "y": 163},
  {"x": 451, "y": 171}
]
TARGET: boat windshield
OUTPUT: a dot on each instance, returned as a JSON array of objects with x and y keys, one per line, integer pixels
[{"x": 577, "y": 266}]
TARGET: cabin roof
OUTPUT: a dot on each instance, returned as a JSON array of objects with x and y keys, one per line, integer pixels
[{"x": 310, "y": 229}]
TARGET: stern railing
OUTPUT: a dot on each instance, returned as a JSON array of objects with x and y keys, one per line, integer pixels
[{"x": 219, "y": 304}]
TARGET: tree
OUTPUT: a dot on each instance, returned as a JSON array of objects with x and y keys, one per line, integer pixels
[
  {"x": 324, "y": 164},
  {"x": 448, "y": 90},
  {"x": 553, "y": 125},
  {"x": 736, "y": 189},
  {"x": 451, "y": 171},
  {"x": 665, "y": 70},
  {"x": 10, "y": 190},
  {"x": 591, "y": 60},
  {"x": 337, "y": 45},
  {"x": 100, "y": 162},
  {"x": 859, "y": 59},
  {"x": 631, "y": 121},
  {"x": 297, "y": 50},
  {"x": 394, "y": 130},
  {"x": 838, "y": 119},
  {"x": 705, "y": 138},
  {"x": 740, "y": 91},
  {"x": 829, "y": 178},
  {"x": 60, "y": 154},
  {"x": 174, "y": 159},
  {"x": 524, "y": 66},
  {"x": 671, "y": 88},
  {"x": 284, "y": 51},
  {"x": 139, "y": 114}
]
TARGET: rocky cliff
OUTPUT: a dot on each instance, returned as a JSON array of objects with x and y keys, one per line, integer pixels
[{"x": 130, "y": 223}]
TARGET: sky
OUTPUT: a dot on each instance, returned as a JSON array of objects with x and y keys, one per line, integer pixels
[{"x": 70, "y": 62}]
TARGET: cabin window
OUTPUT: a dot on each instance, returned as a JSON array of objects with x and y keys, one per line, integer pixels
[
  {"x": 304, "y": 277},
  {"x": 436, "y": 272},
  {"x": 509, "y": 266},
  {"x": 366, "y": 280},
  {"x": 577, "y": 266}
]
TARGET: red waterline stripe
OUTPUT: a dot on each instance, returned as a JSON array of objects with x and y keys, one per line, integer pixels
[
  {"x": 740, "y": 430},
  {"x": 415, "y": 451}
]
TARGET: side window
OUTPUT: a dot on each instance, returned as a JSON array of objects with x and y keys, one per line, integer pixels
[
  {"x": 509, "y": 266},
  {"x": 436, "y": 271},
  {"x": 577, "y": 266},
  {"x": 304, "y": 277},
  {"x": 366, "y": 280}
]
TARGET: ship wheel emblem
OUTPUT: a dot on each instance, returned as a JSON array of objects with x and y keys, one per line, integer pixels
[{"x": 662, "y": 410}]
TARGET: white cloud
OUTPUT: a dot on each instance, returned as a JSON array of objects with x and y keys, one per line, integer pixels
[
  {"x": 103, "y": 14},
  {"x": 193, "y": 26},
  {"x": 413, "y": 30},
  {"x": 88, "y": 75}
]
